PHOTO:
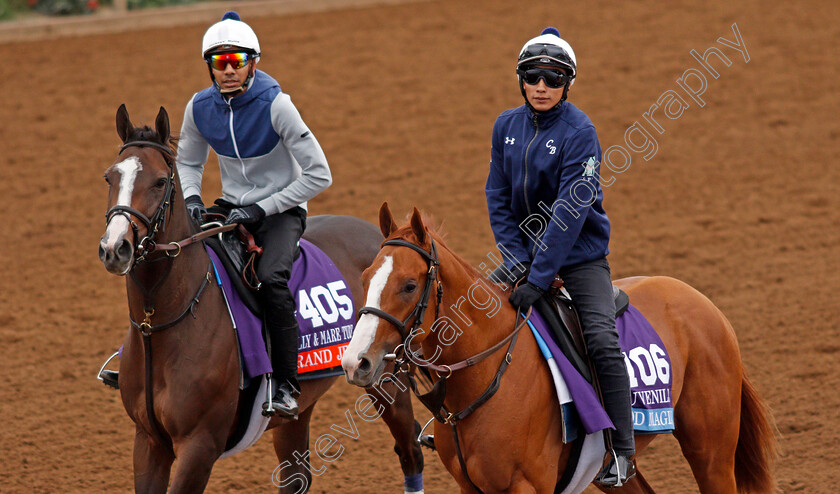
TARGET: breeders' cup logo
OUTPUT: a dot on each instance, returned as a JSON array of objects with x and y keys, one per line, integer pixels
[
  {"x": 551, "y": 149},
  {"x": 589, "y": 167}
]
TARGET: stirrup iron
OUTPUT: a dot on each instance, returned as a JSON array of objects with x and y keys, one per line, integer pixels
[
  {"x": 269, "y": 411},
  {"x": 104, "y": 377}
]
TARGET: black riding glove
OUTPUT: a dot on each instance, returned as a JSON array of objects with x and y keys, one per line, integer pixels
[
  {"x": 525, "y": 296},
  {"x": 246, "y": 215},
  {"x": 195, "y": 208}
]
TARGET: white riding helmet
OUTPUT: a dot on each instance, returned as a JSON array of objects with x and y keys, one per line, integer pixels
[
  {"x": 549, "y": 48},
  {"x": 232, "y": 32}
]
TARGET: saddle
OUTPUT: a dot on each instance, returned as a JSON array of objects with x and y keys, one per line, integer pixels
[
  {"x": 239, "y": 252},
  {"x": 232, "y": 252},
  {"x": 562, "y": 317}
]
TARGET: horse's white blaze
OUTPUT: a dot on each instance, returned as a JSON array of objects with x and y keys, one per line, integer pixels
[
  {"x": 119, "y": 225},
  {"x": 365, "y": 330}
]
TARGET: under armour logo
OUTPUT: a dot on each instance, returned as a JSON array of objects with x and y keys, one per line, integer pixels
[{"x": 510, "y": 140}]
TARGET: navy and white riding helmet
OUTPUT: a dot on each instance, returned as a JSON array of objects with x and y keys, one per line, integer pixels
[
  {"x": 549, "y": 49},
  {"x": 231, "y": 32}
]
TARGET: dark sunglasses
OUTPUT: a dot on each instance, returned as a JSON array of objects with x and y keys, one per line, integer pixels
[
  {"x": 553, "y": 78},
  {"x": 221, "y": 60}
]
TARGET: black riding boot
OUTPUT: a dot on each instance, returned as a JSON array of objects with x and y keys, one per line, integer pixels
[
  {"x": 591, "y": 290},
  {"x": 279, "y": 234},
  {"x": 620, "y": 466},
  {"x": 285, "y": 387}
]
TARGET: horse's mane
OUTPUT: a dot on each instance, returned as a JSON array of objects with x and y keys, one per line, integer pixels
[
  {"x": 438, "y": 234},
  {"x": 146, "y": 133}
]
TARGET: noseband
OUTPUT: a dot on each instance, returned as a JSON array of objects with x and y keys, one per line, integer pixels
[{"x": 158, "y": 220}]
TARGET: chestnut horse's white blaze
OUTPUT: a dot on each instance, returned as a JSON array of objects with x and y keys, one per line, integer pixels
[
  {"x": 119, "y": 225},
  {"x": 365, "y": 330}
]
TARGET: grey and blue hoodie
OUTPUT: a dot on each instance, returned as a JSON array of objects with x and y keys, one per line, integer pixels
[{"x": 266, "y": 153}]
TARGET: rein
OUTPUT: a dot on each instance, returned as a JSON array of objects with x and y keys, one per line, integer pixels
[{"x": 434, "y": 399}]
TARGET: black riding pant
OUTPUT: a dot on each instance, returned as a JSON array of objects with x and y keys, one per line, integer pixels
[
  {"x": 590, "y": 286},
  {"x": 278, "y": 235}
]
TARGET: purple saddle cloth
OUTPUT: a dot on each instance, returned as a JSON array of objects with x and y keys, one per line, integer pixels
[
  {"x": 325, "y": 313},
  {"x": 648, "y": 366}
]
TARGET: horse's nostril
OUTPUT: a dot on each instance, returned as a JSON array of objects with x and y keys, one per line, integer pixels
[
  {"x": 101, "y": 252},
  {"x": 364, "y": 365},
  {"x": 123, "y": 249}
]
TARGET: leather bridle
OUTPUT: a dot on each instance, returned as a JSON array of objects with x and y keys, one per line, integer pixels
[
  {"x": 157, "y": 222},
  {"x": 419, "y": 311},
  {"x": 418, "y": 314}
]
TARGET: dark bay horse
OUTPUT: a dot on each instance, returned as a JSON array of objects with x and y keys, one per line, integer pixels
[
  {"x": 512, "y": 443},
  {"x": 195, "y": 362}
]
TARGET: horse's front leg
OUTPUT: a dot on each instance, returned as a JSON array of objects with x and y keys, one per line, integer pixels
[
  {"x": 196, "y": 456},
  {"x": 152, "y": 464},
  {"x": 399, "y": 416},
  {"x": 293, "y": 474}
]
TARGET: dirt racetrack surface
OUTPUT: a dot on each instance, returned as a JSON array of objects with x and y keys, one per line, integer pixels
[{"x": 741, "y": 200}]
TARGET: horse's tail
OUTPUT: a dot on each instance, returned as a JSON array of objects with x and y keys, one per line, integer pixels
[{"x": 757, "y": 447}]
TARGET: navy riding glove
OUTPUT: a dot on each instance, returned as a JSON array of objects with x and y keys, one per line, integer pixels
[
  {"x": 245, "y": 215},
  {"x": 525, "y": 296},
  {"x": 195, "y": 208}
]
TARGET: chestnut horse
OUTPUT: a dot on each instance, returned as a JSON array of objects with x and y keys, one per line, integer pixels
[
  {"x": 512, "y": 443},
  {"x": 194, "y": 356}
]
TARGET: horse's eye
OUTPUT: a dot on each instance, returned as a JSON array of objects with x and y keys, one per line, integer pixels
[
  {"x": 161, "y": 183},
  {"x": 410, "y": 287},
  {"x": 107, "y": 180}
]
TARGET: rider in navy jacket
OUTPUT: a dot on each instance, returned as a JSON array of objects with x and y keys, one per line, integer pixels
[
  {"x": 528, "y": 152},
  {"x": 544, "y": 200}
]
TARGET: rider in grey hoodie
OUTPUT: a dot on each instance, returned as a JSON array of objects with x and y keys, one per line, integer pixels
[{"x": 271, "y": 165}]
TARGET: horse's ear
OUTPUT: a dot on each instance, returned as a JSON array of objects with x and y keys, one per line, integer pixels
[
  {"x": 418, "y": 227},
  {"x": 124, "y": 127},
  {"x": 162, "y": 125},
  {"x": 386, "y": 220}
]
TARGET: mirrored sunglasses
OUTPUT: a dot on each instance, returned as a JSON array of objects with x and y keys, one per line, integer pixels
[
  {"x": 553, "y": 78},
  {"x": 220, "y": 60}
]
